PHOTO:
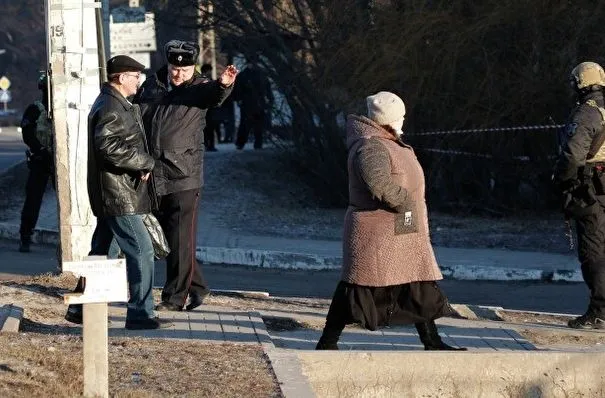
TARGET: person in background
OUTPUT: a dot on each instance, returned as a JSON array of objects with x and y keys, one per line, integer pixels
[
  {"x": 255, "y": 97},
  {"x": 389, "y": 269},
  {"x": 37, "y": 134},
  {"x": 174, "y": 103}
]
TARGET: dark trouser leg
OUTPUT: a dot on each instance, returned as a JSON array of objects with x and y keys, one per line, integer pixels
[
  {"x": 178, "y": 217},
  {"x": 243, "y": 131},
  {"x": 591, "y": 253},
  {"x": 229, "y": 123},
  {"x": 335, "y": 320},
  {"x": 258, "y": 127},
  {"x": 133, "y": 238},
  {"x": 37, "y": 180},
  {"x": 209, "y": 130}
]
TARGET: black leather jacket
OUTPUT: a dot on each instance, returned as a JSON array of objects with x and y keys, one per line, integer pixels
[
  {"x": 174, "y": 122},
  {"x": 117, "y": 156}
]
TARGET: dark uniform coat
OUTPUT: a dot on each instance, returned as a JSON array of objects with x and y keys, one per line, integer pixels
[{"x": 174, "y": 119}]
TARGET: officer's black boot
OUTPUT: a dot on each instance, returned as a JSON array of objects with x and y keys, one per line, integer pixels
[{"x": 429, "y": 336}]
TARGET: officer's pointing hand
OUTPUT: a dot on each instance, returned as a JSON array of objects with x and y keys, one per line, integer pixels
[{"x": 227, "y": 78}]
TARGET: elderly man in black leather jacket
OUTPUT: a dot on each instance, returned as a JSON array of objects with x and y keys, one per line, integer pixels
[
  {"x": 174, "y": 103},
  {"x": 119, "y": 169}
]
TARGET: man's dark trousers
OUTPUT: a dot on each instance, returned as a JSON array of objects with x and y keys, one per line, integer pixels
[
  {"x": 178, "y": 216},
  {"x": 39, "y": 174},
  {"x": 591, "y": 253},
  {"x": 254, "y": 121}
]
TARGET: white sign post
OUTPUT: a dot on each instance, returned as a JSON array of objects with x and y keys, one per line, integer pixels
[{"x": 104, "y": 281}]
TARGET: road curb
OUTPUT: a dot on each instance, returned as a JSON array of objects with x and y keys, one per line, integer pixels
[{"x": 314, "y": 262}]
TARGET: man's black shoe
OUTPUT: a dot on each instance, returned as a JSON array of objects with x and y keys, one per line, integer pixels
[
  {"x": 149, "y": 323},
  {"x": 196, "y": 300},
  {"x": 74, "y": 316},
  {"x": 587, "y": 321},
  {"x": 165, "y": 306},
  {"x": 212, "y": 149}
]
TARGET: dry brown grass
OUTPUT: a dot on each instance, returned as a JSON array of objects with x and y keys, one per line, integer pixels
[
  {"x": 36, "y": 365},
  {"x": 45, "y": 358}
]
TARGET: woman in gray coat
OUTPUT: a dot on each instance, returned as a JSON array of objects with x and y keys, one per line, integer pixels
[{"x": 389, "y": 268}]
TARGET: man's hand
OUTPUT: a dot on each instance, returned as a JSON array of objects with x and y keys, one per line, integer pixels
[
  {"x": 145, "y": 175},
  {"x": 227, "y": 78}
]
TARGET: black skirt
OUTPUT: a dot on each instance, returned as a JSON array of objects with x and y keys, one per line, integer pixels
[{"x": 375, "y": 307}]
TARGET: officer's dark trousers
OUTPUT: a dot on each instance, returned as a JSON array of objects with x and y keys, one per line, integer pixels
[
  {"x": 178, "y": 216},
  {"x": 34, "y": 191},
  {"x": 591, "y": 253},
  {"x": 254, "y": 121}
]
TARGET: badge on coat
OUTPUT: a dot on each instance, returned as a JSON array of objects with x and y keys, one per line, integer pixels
[{"x": 570, "y": 129}]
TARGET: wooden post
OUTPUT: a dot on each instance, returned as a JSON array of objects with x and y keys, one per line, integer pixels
[
  {"x": 104, "y": 281},
  {"x": 96, "y": 362}
]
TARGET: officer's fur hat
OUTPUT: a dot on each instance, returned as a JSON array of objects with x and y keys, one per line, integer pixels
[{"x": 181, "y": 53}]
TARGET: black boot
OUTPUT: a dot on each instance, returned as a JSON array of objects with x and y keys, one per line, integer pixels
[
  {"x": 429, "y": 336},
  {"x": 328, "y": 340}
]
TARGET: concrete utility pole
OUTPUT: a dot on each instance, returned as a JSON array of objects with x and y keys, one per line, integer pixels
[{"x": 73, "y": 66}]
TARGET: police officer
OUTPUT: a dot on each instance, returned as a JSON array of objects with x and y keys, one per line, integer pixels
[
  {"x": 580, "y": 177},
  {"x": 253, "y": 91},
  {"x": 174, "y": 103},
  {"x": 37, "y": 135}
]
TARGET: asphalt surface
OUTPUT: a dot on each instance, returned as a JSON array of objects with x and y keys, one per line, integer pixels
[{"x": 532, "y": 296}]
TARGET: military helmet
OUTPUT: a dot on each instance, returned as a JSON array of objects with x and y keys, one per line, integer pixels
[
  {"x": 43, "y": 81},
  {"x": 587, "y": 74}
]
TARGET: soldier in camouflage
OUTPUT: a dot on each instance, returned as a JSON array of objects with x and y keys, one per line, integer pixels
[
  {"x": 580, "y": 178},
  {"x": 37, "y": 135}
]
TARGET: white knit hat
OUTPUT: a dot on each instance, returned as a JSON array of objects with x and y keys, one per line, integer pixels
[{"x": 385, "y": 108}]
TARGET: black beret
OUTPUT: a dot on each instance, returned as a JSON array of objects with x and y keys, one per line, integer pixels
[
  {"x": 123, "y": 63},
  {"x": 181, "y": 53}
]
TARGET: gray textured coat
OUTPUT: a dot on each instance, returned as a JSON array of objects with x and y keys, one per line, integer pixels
[{"x": 386, "y": 234}]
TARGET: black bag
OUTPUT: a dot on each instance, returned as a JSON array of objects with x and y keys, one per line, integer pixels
[{"x": 160, "y": 244}]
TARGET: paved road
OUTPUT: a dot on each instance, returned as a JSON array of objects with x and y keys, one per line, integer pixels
[
  {"x": 12, "y": 147},
  {"x": 536, "y": 296}
]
